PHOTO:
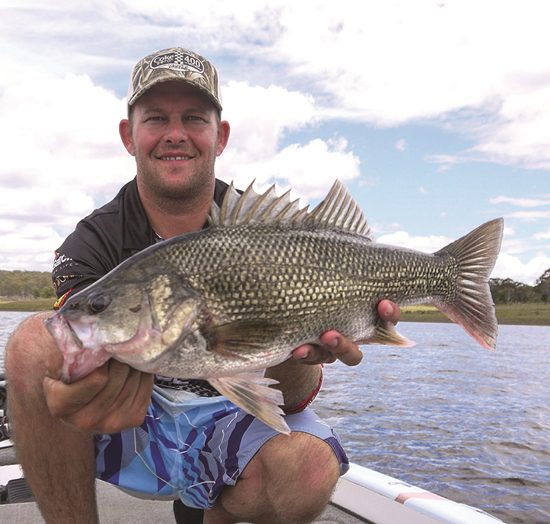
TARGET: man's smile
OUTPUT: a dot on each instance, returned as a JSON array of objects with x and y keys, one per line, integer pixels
[{"x": 172, "y": 157}]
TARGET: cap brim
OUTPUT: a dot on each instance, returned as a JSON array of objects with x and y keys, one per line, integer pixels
[{"x": 137, "y": 94}]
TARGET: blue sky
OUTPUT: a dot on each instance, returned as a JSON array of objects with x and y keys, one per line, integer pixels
[{"x": 435, "y": 114}]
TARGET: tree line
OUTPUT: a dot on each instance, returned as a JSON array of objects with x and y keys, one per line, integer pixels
[
  {"x": 16, "y": 285},
  {"x": 506, "y": 290},
  {"x": 25, "y": 285}
]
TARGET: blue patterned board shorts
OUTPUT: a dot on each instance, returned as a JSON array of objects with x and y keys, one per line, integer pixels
[{"x": 191, "y": 447}]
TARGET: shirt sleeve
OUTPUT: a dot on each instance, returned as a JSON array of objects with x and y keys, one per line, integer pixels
[{"x": 84, "y": 257}]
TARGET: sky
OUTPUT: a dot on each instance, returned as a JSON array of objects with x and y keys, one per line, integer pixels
[{"x": 434, "y": 114}]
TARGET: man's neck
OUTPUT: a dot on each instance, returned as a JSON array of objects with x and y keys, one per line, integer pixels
[{"x": 172, "y": 217}]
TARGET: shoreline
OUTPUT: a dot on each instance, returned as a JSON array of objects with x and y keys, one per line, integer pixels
[{"x": 528, "y": 314}]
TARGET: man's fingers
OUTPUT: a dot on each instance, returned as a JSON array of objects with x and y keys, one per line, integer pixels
[
  {"x": 333, "y": 347},
  {"x": 64, "y": 400},
  {"x": 314, "y": 354},
  {"x": 111, "y": 398},
  {"x": 342, "y": 348},
  {"x": 389, "y": 311}
]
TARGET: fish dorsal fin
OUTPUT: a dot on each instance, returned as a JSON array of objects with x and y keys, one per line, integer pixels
[
  {"x": 338, "y": 210},
  {"x": 253, "y": 208}
]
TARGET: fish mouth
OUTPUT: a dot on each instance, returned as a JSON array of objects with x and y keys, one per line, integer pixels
[
  {"x": 78, "y": 360},
  {"x": 75, "y": 338},
  {"x": 62, "y": 331},
  {"x": 67, "y": 342}
]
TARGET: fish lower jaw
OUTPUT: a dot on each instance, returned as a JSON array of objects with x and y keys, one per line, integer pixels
[{"x": 77, "y": 365}]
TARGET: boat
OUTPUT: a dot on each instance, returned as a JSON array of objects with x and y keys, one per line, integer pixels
[{"x": 362, "y": 495}]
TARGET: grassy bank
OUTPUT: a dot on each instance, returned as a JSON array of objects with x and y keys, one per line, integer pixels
[
  {"x": 535, "y": 313},
  {"x": 532, "y": 313},
  {"x": 38, "y": 304}
]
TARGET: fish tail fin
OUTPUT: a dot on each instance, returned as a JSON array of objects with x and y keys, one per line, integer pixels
[{"x": 472, "y": 306}]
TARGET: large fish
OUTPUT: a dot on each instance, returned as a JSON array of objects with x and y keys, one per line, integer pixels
[{"x": 225, "y": 303}]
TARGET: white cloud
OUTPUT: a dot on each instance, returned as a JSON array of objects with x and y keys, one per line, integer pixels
[
  {"x": 59, "y": 130},
  {"x": 509, "y": 266},
  {"x": 63, "y": 156},
  {"x": 444, "y": 161},
  {"x": 281, "y": 111},
  {"x": 401, "y": 144},
  {"x": 529, "y": 215},
  {"x": 29, "y": 247},
  {"x": 256, "y": 151},
  {"x": 520, "y": 202},
  {"x": 542, "y": 235},
  {"x": 399, "y": 62},
  {"x": 312, "y": 168},
  {"x": 426, "y": 244}
]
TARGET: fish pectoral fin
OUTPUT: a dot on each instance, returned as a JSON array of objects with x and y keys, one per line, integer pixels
[
  {"x": 251, "y": 392},
  {"x": 387, "y": 335},
  {"x": 243, "y": 336}
]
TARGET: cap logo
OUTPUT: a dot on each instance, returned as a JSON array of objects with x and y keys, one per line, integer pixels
[{"x": 177, "y": 60}]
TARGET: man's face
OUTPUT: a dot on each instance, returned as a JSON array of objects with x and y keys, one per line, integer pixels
[{"x": 175, "y": 135}]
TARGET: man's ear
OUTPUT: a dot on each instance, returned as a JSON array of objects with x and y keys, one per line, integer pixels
[
  {"x": 223, "y": 136},
  {"x": 125, "y": 131}
]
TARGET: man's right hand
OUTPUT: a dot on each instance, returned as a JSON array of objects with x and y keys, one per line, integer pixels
[{"x": 111, "y": 398}]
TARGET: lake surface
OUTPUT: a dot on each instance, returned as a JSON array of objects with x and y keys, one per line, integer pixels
[{"x": 446, "y": 415}]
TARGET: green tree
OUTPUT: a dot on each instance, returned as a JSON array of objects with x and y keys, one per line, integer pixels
[
  {"x": 542, "y": 286},
  {"x": 506, "y": 291}
]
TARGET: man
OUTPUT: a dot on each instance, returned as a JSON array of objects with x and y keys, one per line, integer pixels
[{"x": 161, "y": 436}]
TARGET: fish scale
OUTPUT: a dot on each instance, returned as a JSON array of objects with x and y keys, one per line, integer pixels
[{"x": 229, "y": 301}]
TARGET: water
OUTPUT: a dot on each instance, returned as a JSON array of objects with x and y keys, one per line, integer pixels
[
  {"x": 466, "y": 423},
  {"x": 446, "y": 415}
]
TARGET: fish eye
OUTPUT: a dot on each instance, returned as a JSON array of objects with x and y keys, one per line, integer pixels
[{"x": 98, "y": 303}]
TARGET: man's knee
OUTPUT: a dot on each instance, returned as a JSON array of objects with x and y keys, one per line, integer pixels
[
  {"x": 309, "y": 456},
  {"x": 298, "y": 473}
]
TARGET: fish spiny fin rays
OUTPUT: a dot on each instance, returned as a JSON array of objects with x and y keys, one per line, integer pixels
[
  {"x": 253, "y": 208},
  {"x": 338, "y": 210},
  {"x": 251, "y": 392},
  {"x": 474, "y": 256}
]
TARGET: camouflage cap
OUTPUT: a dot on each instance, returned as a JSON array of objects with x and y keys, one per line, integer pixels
[{"x": 177, "y": 64}]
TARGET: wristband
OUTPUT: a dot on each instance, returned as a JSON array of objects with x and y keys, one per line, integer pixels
[{"x": 308, "y": 400}]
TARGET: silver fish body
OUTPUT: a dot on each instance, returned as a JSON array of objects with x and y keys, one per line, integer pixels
[{"x": 264, "y": 278}]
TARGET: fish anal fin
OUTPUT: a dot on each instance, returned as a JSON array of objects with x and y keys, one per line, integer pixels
[
  {"x": 387, "y": 335},
  {"x": 251, "y": 392}
]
